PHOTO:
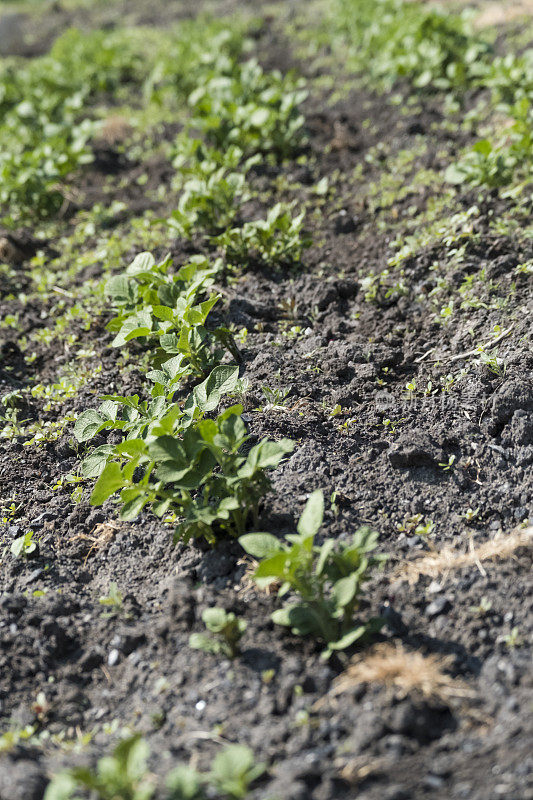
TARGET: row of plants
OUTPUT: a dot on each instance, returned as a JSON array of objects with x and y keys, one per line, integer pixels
[
  {"x": 172, "y": 450},
  {"x": 124, "y": 775},
  {"x": 179, "y": 457},
  {"x": 51, "y": 106},
  {"x": 393, "y": 41}
]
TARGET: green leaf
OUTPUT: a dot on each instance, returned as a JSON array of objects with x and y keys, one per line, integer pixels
[
  {"x": 201, "y": 641},
  {"x": 348, "y": 638},
  {"x": 325, "y": 551},
  {"x": 207, "y": 395},
  {"x": 109, "y": 482},
  {"x": 266, "y": 455},
  {"x": 163, "y": 313},
  {"x": 88, "y": 424},
  {"x": 312, "y": 515},
  {"x": 142, "y": 262},
  {"x": 61, "y": 787},
  {"x": 345, "y": 589},
  {"x": 215, "y": 619},
  {"x": 168, "y": 448},
  {"x": 260, "y": 545},
  {"x": 184, "y": 783},
  {"x": 132, "y": 507},
  {"x": 272, "y": 568}
]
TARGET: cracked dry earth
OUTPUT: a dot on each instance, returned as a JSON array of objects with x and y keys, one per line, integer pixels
[{"x": 438, "y": 456}]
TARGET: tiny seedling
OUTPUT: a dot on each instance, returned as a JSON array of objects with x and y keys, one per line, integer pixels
[
  {"x": 471, "y": 514},
  {"x": 234, "y": 770},
  {"x": 326, "y": 579},
  {"x": 447, "y": 465},
  {"x": 24, "y": 546},
  {"x": 226, "y": 629},
  {"x": 112, "y": 600},
  {"x": 512, "y": 639},
  {"x": 483, "y": 608}
]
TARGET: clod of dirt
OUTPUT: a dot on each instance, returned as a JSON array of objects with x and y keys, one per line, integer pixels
[
  {"x": 21, "y": 779},
  {"x": 416, "y": 449},
  {"x": 514, "y": 395},
  {"x": 11, "y": 34}
]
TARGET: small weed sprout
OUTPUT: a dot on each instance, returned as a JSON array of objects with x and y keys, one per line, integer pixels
[
  {"x": 112, "y": 601},
  {"x": 226, "y": 629},
  {"x": 447, "y": 465},
  {"x": 24, "y": 546}
]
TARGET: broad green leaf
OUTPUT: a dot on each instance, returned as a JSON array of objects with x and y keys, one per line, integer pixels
[
  {"x": 234, "y": 759},
  {"x": 132, "y": 508},
  {"x": 88, "y": 424},
  {"x": 168, "y": 448},
  {"x": 164, "y": 313},
  {"x": 207, "y": 395},
  {"x": 61, "y": 787},
  {"x": 267, "y": 454},
  {"x": 272, "y": 568},
  {"x": 345, "y": 589},
  {"x": 312, "y": 515},
  {"x": 215, "y": 619},
  {"x": 94, "y": 463},
  {"x": 260, "y": 545},
  {"x": 141, "y": 263},
  {"x": 109, "y": 482},
  {"x": 184, "y": 782}
]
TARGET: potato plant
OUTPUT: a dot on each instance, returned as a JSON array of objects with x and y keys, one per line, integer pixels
[
  {"x": 177, "y": 461},
  {"x": 225, "y": 632},
  {"x": 278, "y": 240},
  {"x": 124, "y": 775},
  {"x": 257, "y": 111},
  {"x": 166, "y": 311},
  {"x": 326, "y": 579}
]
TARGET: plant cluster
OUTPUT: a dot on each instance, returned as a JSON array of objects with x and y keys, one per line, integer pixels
[
  {"x": 276, "y": 240},
  {"x": 178, "y": 462},
  {"x": 49, "y": 105},
  {"x": 243, "y": 115},
  {"x": 124, "y": 775},
  {"x": 225, "y": 632},
  {"x": 395, "y": 40},
  {"x": 168, "y": 312},
  {"x": 326, "y": 578}
]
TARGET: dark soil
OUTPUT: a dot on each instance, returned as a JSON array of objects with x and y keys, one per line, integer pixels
[{"x": 135, "y": 669}]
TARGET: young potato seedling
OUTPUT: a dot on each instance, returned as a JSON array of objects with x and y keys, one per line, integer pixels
[
  {"x": 124, "y": 775},
  {"x": 227, "y": 630},
  {"x": 326, "y": 579}
]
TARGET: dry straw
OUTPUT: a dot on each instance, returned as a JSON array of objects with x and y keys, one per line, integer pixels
[
  {"x": 407, "y": 672},
  {"x": 450, "y": 558}
]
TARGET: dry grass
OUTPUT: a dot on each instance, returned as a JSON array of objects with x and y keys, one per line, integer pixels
[
  {"x": 404, "y": 671},
  {"x": 115, "y": 129},
  {"x": 449, "y": 558},
  {"x": 491, "y": 12},
  {"x": 494, "y": 14},
  {"x": 99, "y": 537}
]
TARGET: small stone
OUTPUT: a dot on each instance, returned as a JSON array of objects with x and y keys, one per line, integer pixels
[
  {"x": 113, "y": 657},
  {"x": 439, "y": 606},
  {"x": 433, "y": 782},
  {"x": 346, "y": 223},
  {"x": 434, "y": 587}
]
